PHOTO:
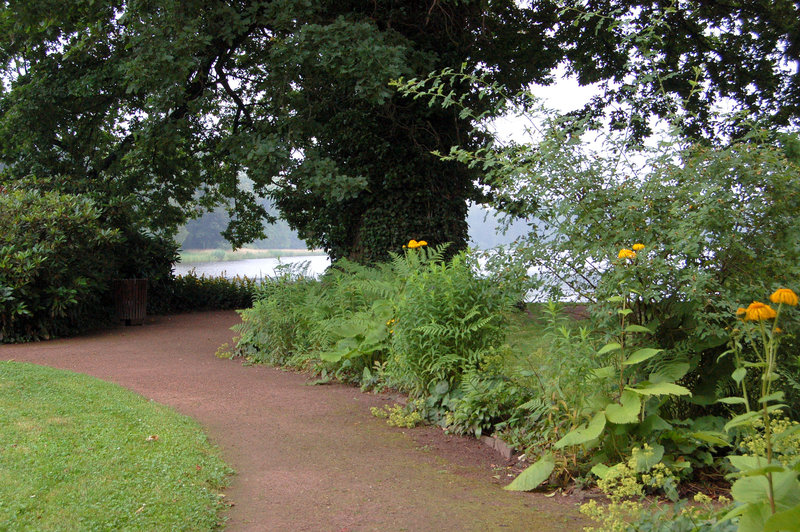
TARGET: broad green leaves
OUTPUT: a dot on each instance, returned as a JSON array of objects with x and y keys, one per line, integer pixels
[
  {"x": 609, "y": 348},
  {"x": 641, "y": 355},
  {"x": 786, "y": 520},
  {"x": 584, "y": 434},
  {"x": 534, "y": 475},
  {"x": 362, "y": 334},
  {"x": 659, "y": 388},
  {"x": 627, "y": 412}
]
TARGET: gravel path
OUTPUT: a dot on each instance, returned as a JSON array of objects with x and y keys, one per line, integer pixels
[{"x": 307, "y": 457}]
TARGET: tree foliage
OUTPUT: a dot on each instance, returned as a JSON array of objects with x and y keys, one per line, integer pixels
[
  {"x": 160, "y": 107},
  {"x": 666, "y": 58},
  {"x": 171, "y": 102}
]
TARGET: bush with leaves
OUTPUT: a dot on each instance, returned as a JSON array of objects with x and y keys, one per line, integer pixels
[
  {"x": 277, "y": 329},
  {"x": 718, "y": 222},
  {"x": 354, "y": 314},
  {"x": 484, "y": 402},
  {"x": 143, "y": 255},
  {"x": 54, "y": 264},
  {"x": 447, "y": 318},
  {"x": 192, "y": 292},
  {"x": 417, "y": 323}
]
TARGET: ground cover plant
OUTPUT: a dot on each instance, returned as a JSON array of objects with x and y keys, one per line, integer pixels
[{"x": 82, "y": 454}]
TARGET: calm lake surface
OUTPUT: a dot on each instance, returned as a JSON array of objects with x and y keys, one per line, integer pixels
[{"x": 256, "y": 268}]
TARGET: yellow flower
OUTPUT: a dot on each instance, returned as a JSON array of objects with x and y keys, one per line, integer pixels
[
  {"x": 626, "y": 254},
  {"x": 758, "y": 311},
  {"x": 785, "y": 296},
  {"x": 413, "y": 244},
  {"x": 638, "y": 247},
  {"x": 422, "y": 243}
]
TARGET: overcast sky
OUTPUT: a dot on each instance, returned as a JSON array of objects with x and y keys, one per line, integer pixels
[{"x": 564, "y": 95}]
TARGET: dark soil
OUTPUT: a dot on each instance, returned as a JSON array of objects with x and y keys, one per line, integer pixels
[{"x": 307, "y": 457}]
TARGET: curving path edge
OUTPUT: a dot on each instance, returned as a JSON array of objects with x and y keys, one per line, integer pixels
[{"x": 306, "y": 457}]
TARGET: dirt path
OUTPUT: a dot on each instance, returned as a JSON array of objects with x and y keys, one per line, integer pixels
[{"x": 307, "y": 457}]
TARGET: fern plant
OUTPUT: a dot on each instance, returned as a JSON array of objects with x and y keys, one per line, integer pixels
[{"x": 447, "y": 316}]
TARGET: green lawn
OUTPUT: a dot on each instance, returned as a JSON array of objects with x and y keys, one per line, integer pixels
[{"x": 77, "y": 453}]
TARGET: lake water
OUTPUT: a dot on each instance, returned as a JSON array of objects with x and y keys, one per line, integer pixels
[{"x": 255, "y": 268}]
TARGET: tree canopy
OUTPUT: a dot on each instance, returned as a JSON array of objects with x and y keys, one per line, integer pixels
[
  {"x": 158, "y": 108},
  {"x": 165, "y": 104},
  {"x": 689, "y": 59}
]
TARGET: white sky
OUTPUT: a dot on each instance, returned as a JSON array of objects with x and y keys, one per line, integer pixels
[{"x": 564, "y": 95}]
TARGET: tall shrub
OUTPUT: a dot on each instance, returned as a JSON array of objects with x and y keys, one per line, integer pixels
[{"x": 54, "y": 264}]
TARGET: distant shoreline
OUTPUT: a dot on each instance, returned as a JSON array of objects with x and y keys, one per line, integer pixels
[{"x": 199, "y": 256}]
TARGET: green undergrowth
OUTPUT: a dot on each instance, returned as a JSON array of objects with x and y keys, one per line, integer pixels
[
  {"x": 593, "y": 395},
  {"x": 77, "y": 453}
]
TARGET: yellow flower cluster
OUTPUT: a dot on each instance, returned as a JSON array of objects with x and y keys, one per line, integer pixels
[
  {"x": 630, "y": 254},
  {"x": 785, "y": 447},
  {"x": 413, "y": 244},
  {"x": 613, "y": 517},
  {"x": 758, "y": 311}
]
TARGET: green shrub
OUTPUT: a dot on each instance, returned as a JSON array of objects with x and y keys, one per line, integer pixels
[
  {"x": 718, "y": 222},
  {"x": 277, "y": 329},
  {"x": 54, "y": 264},
  {"x": 447, "y": 318},
  {"x": 485, "y": 403},
  {"x": 142, "y": 255},
  {"x": 554, "y": 368},
  {"x": 417, "y": 323},
  {"x": 58, "y": 257},
  {"x": 191, "y": 292},
  {"x": 353, "y": 315},
  {"x": 718, "y": 227}
]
